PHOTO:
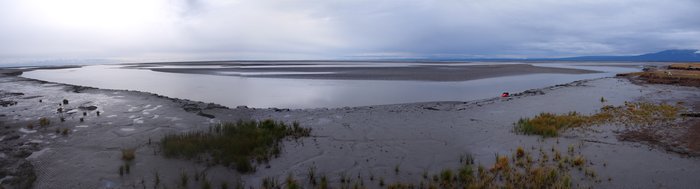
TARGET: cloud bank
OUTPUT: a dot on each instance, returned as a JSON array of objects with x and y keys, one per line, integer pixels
[{"x": 162, "y": 30}]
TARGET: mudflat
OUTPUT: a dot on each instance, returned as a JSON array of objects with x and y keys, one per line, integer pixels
[
  {"x": 374, "y": 146},
  {"x": 450, "y": 71}
]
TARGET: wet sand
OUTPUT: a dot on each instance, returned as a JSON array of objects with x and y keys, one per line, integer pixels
[
  {"x": 369, "y": 140},
  {"x": 452, "y": 71}
]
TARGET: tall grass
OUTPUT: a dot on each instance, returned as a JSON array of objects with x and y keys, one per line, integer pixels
[
  {"x": 522, "y": 169},
  {"x": 234, "y": 144},
  {"x": 548, "y": 124}
]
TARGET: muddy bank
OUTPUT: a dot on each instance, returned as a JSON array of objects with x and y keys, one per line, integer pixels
[
  {"x": 390, "y": 71},
  {"x": 684, "y": 74},
  {"x": 427, "y": 137},
  {"x": 356, "y": 142},
  {"x": 80, "y": 147}
]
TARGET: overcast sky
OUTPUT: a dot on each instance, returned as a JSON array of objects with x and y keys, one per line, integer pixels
[{"x": 161, "y": 30}]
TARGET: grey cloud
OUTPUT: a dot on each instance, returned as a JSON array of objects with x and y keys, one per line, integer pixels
[{"x": 268, "y": 29}]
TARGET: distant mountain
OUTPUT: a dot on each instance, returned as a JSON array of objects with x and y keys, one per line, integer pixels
[{"x": 679, "y": 55}]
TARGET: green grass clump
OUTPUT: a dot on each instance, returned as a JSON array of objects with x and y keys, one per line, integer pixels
[
  {"x": 446, "y": 177},
  {"x": 269, "y": 182},
  {"x": 206, "y": 184},
  {"x": 183, "y": 179},
  {"x": 234, "y": 143},
  {"x": 548, "y": 124},
  {"x": 292, "y": 183},
  {"x": 324, "y": 182}
]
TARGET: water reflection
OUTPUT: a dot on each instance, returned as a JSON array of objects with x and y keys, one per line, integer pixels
[{"x": 233, "y": 91}]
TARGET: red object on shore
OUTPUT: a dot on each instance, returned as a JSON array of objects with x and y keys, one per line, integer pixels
[{"x": 505, "y": 94}]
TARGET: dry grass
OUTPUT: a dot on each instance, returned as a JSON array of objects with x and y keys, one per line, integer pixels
[
  {"x": 44, "y": 122},
  {"x": 637, "y": 114},
  {"x": 522, "y": 169},
  {"x": 671, "y": 74},
  {"x": 685, "y": 66},
  {"x": 65, "y": 131},
  {"x": 519, "y": 153},
  {"x": 682, "y": 74},
  {"x": 128, "y": 154},
  {"x": 578, "y": 161}
]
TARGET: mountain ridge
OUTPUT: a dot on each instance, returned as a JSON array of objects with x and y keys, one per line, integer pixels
[{"x": 673, "y": 55}]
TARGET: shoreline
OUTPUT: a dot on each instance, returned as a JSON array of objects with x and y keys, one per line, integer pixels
[
  {"x": 267, "y": 90},
  {"x": 518, "y": 94},
  {"x": 341, "y": 136}
]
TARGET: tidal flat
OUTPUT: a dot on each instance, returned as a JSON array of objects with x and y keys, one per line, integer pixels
[{"x": 370, "y": 146}]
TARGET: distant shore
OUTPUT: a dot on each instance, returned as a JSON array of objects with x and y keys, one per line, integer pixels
[{"x": 348, "y": 71}]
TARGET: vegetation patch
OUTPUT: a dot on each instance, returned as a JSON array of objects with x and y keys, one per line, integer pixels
[
  {"x": 128, "y": 154},
  {"x": 548, "y": 124},
  {"x": 682, "y": 74},
  {"x": 44, "y": 122},
  {"x": 522, "y": 169},
  {"x": 636, "y": 114},
  {"x": 685, "y": 66},
  {"x": 234, "y": 144}
]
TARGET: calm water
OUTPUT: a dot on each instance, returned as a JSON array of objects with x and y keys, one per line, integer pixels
[{"x": 234, "y": 91}]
